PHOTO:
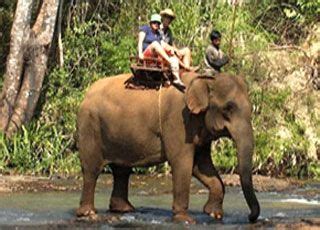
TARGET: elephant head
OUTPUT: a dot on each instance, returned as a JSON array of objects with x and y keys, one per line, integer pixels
[{"x": 224, "y": 101}]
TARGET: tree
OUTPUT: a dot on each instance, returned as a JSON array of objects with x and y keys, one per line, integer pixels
[{"x": 26, "y": 63}]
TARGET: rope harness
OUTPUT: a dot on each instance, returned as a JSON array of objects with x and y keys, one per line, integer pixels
[{"x": 159, "y": 110}]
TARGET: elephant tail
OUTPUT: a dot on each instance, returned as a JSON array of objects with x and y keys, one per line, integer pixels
[{"x": 74, "y": 145}]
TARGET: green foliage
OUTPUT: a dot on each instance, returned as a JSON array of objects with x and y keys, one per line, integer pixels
[
  {"x": 309, "y": 9},
  {"x": 314, "y": 169},
  {"x": 38, "y": 150},
  {"x": 94, "y": 53},
  {"x": 224, "y": 155},
  {"x": 280, "y": 144},
  {"x": 277, "y": 140},
  {"x": 288, "y": 20}
]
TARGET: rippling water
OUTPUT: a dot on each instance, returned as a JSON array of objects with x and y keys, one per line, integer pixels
[{"x": 56, "y": 209}]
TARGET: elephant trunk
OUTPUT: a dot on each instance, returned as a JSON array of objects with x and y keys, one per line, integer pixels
[{"x": 243, "y": 137}]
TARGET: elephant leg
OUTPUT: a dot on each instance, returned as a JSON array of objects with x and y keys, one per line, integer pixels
[
  {"x": 205, "y": 172},
  {"x": 90, "y": 177},
  {"x": 181, "y": 174},
  {"x": 119, "y": 198},
  {"x": 92, "y": 161}
]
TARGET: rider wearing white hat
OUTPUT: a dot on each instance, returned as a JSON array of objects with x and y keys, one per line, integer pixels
[{"x": 184, "y": 54}]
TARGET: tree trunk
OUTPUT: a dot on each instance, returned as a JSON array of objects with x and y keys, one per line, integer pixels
[
  {"x": 18, "y": 103},
  {"x": 19, "y": 36}
]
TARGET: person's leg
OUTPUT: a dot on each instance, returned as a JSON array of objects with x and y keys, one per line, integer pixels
[
  {"x": 174, "y": 64},
  {"x": 173, "y": 61},
  {"x": 185, "y": 54},
  {"x": 156, "y": 47}
]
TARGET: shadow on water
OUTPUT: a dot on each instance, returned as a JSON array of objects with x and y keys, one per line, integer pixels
[{"x": 57, "y": 209}]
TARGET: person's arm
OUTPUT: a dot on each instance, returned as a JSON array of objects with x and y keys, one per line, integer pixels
[
  {"x": 218, "y": 63},
  {"x": 142, "y": 35}
]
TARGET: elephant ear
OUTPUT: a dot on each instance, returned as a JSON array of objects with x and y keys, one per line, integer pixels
[{"x": 197, "y": 95}]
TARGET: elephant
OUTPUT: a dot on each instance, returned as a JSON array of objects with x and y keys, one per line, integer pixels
[{"x": 126, "y": 128}]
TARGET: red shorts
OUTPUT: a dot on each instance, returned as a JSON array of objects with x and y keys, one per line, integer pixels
[{"x": 149, "y": 53}]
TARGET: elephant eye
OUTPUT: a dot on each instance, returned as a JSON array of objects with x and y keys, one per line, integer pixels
[{"x": 230, "y": 107}]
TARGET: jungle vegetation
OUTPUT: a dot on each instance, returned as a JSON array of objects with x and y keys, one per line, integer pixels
[{"x": 94, "y": 39}]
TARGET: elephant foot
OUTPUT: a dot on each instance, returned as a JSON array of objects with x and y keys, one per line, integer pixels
[
  {"x": 216, "y": 213},
  {"x": 120, "y": 205},
  {"x": 86, "y": 211},
  {"x": 183, "y": 218}
]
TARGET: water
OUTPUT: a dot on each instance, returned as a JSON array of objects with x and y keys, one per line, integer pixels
[{"x": 57, "y": 209}]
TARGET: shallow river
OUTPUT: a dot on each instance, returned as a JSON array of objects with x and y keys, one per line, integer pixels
[{"x": 56, "y": 209}]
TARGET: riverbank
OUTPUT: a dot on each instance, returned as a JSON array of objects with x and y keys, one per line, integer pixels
[{"x": 150, "y": 184}]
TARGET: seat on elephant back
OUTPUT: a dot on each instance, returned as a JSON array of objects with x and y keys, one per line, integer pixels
[{"x": 149, "y": 73}]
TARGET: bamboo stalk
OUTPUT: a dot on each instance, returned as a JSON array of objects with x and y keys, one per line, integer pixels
[
  {"x": 60, "y": 45},
  {"x": 235, "y": 6}
]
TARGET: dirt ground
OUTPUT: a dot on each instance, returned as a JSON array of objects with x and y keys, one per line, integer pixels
[{"x": 19, "y": 183}]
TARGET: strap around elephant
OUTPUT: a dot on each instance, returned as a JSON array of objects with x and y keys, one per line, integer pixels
[{"x": 159, "y": 106}]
